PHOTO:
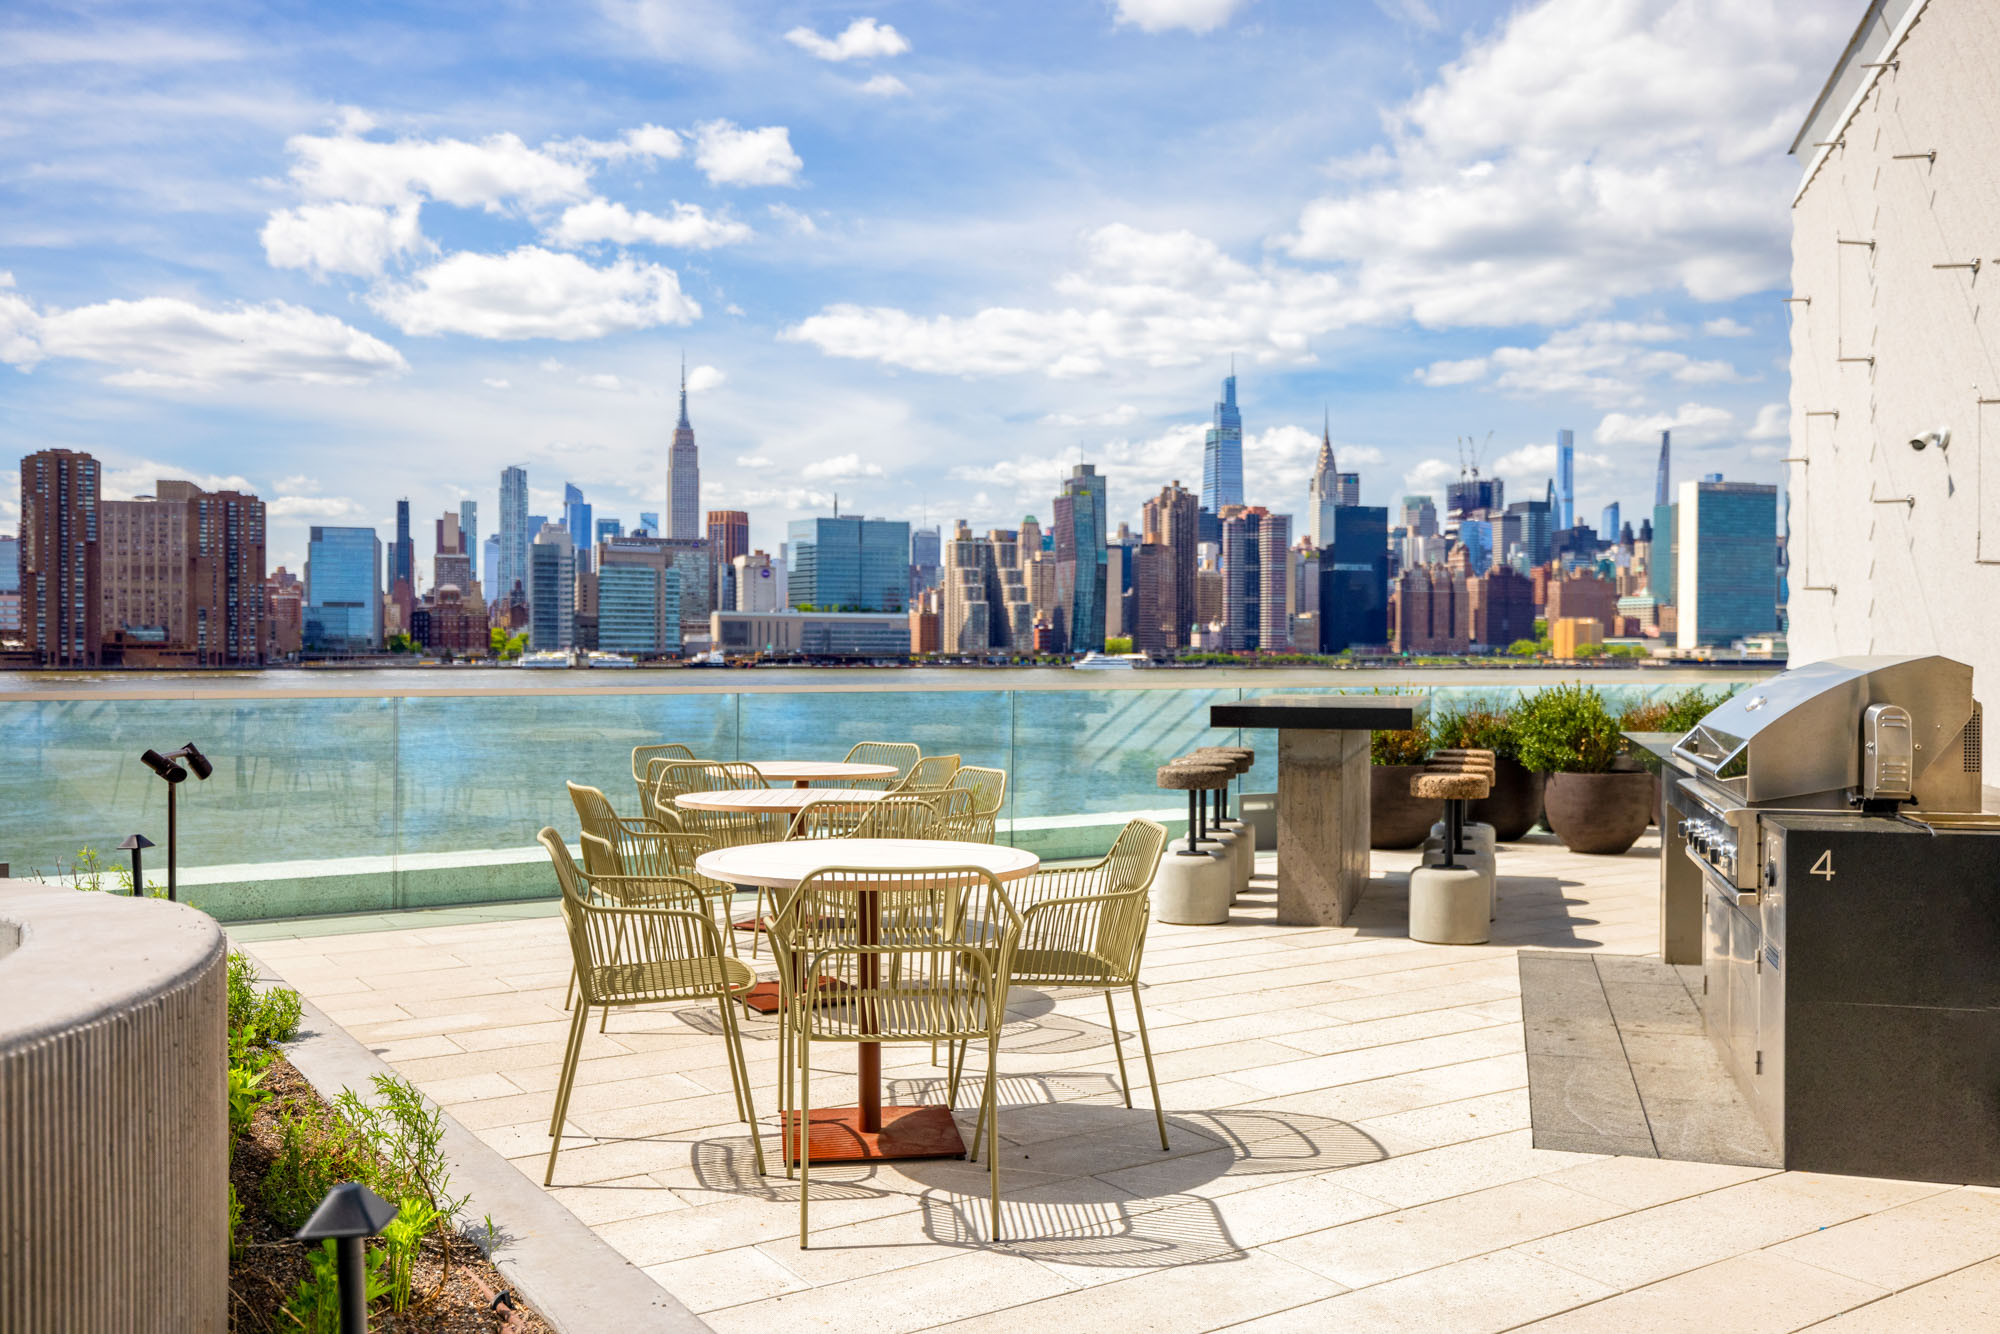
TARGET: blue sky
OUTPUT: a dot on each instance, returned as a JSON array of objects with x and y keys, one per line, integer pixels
[{"x": 922, "y": 255}]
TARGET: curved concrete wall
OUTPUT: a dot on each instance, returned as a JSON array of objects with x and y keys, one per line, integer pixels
[{"x": 114, "y": 1139}]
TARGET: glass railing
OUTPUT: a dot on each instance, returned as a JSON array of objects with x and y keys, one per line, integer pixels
[{"x": 366, "y": 782}]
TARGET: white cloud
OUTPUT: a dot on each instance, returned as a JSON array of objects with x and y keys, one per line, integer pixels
[
  {"x": 839, "y": 468},
  {"x": 140, "y": 478},
  {"x": 796, "y": 221},
  {"x": 492, "y": 382},
  {"x": 1160, "y": 15},
  {"x": 1603, "y": 361},
  {"x": 704, "y": 378},
  {"x": 1121, "y": 415},
  {"x": 884, "y": 85},
  {"x": 602, "y": 220},
  {"x": 1416, "y": 13},
  {"x": 791, "y": 499},
  {"x": 730, "y": 155},
  {"x": 863, "y": 39},
  {"x": 1694, "y": 423},
  {"x": 1724, "y": 327},
  {"x": 645, "y": 142},
  {"x": 340, "y": 238},
  {"x": 490, "y": 174},
  {"x": 310, "y": 507},
  {"x": 299, "y": 485},
  {"x": 680, "y": 32},
  {"x": 1774, "y": 422},
  {"x": 753, "y": 461},
  {"x": 534, "y": 293},
  {"x": 1582, "y": 153},
  {"x": 167, "y": 342},
  {"x": 600, "y": 381}
]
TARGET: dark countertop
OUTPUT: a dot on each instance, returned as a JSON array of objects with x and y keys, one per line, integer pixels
[{"x": 1328, "y": 713}]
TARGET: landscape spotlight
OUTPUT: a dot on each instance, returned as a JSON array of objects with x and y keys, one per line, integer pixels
[
  {"x": 134, "y": 845},
  {"x": 165, "y": 767}
]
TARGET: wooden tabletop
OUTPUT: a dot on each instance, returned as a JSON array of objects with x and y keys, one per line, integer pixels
[
  {"x": 783, "y": 865},
  {"x": 773, "y": 798},
  {"x": 800, "y": 771}
]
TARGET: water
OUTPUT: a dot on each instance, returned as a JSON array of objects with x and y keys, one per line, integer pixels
[{"x": 342, "y": 764}]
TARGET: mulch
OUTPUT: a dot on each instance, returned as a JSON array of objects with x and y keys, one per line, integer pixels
[{"x": 455, "y": 1289}]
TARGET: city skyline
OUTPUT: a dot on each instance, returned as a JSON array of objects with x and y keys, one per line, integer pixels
[{"x": 794, "y": 375}]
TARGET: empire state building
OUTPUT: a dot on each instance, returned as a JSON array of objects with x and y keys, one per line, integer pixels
[{"x": 683, "y": 475}]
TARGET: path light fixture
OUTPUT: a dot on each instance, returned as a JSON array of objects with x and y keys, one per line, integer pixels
[
  {"x": 349, "y": 1215},
  {"x": 134, "y": 845},
  {"x": 167, "y": 767}
]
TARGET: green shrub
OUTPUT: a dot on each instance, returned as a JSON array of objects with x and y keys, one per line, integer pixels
[
  {"x": 317, "y": 1151},
  {"x": 235, "y": 1223},
  {"x": 1566, "y": 729},
  {"x": 315, "y": 1305},
  {"x": 242, "y": 979},
  {"x": 1676, "y": 714},
  {"x": 278, "y": 1012},
  {"x": 1475, "y": 727},
  {"x": 405, "y": 1134},
  {"x": 1401, "y": 747},
  {"x": 402, "y": 1240},
  {"x": 245, "y": 1096}
]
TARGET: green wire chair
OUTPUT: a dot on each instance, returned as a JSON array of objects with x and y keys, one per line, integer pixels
[
  {"x": 932, "y": 773},
  {"x": 643, "y": 946},
  {"x": 642, "y": 759},
  {"x": 902, "y": 754},
  {"x": 989, "y": 793}
]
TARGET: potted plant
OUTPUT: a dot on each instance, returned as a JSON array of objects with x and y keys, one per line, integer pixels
[
  {"x": 1515, "y": 804},
  {"x": 1395, "y": 818},
  {"x": 1674, "y": 716},
  {"x": 1568, "y": 734}
]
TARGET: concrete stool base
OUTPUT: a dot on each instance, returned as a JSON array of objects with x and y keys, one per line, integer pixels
[
  {"x": 1192, "y": 891},
  {"x": 1227, "y": 843},
  {"x": 1481, "y": 862},
  {"x": 1246, "y": 852},
  {"x": 1448, "y": 906}
]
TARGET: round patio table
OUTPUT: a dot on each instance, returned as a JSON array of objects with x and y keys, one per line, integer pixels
[
  {"x": 868, "y": 1132},
  {"x": 801, "y": 772},
  {"x": 764, "y": 799}
]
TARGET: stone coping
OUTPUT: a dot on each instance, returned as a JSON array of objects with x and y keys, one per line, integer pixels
[
  {"x": 569, "y": 1274},
  {"x": 82, "y": 956}
]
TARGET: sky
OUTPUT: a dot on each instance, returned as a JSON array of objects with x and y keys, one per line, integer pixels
[{"x": 922, "y": 256}]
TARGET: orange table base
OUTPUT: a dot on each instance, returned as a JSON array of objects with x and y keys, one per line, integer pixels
[
  {"x": 767, "y": 997},
  {"x": 907, "y": 1132}
]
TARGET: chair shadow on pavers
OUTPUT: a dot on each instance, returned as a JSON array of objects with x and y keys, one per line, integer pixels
[
  {"x": 726, "y": 1165},
  {"x": 1159, "y": 1232}
]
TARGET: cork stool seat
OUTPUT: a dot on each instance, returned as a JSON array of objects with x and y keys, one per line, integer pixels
[
  {"x": 1194, "y": 884},
  {"x": 1237, "y": 833},
  {"x": 1450, "y": 787},
  {"x": 1452, "y": 901}
]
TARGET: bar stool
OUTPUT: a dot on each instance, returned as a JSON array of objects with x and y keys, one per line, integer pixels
[
  {"x": 1212, "y": 836},
  {"x": 1240, "y": 758},
  {"x": 1450, "y": 901},
  {"x": 1194, "y": 884},
  {"x": 1474, "y": 844}
]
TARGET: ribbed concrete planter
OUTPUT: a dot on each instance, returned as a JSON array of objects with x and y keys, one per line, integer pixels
[
  {"x": 1600, "y": 813},
  {"x": 1395, "y": 818},
  {"x": 114, "y": 1137}
]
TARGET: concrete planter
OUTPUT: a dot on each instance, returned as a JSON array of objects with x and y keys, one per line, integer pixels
[
  {"x": 1395, "y": 818},
  {"x": 1516, "y": 803},
  {"x": 1599, "y": 813}
]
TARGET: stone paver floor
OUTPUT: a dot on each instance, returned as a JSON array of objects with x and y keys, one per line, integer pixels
[{"x": 1348, "y": 1114}]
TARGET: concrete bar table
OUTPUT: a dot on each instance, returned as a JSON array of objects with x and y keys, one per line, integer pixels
[{"x": 1322, "y": 792}]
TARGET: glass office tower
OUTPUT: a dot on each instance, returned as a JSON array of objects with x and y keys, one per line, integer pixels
[
  {"x": 343, "y": 607},
  {"x": 1354, "y": 580},
  {"x": 1727, "y": 565},
  {"x": 1222, "y": 454},
  {"x": 849, "y": 564}
]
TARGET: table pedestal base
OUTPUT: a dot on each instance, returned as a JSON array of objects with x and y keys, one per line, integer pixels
[
  {"x": 1323, "y": 782},
  {"x": 768, "y": 997},
  {"x": 907, "y": 1132}
]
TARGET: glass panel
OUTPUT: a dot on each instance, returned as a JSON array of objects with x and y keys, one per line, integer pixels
[
  {"x": 975, "y": 725},
  {"x": 1088, "y": 751},
  {"x": 294, "y": 779},
  {"x": 488, "y": 772}
]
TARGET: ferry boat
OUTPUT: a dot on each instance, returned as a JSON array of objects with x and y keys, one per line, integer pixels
[
  {"x": 600, "y": 659},
  {"x": 544, "y": 659},
  {"x": 1094, "y": 661}
]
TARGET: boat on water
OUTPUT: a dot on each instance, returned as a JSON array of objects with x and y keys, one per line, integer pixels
[
  {"x": 616, "y": 660},
  {"x": 1108, "y": 662},
  {"x": 546, "y": 658}
]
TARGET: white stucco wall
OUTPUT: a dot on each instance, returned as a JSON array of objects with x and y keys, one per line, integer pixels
[{"x": 1922, "y": 577}]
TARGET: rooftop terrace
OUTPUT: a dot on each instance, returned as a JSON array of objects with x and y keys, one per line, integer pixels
[{"x": 1353, "y": 1143}]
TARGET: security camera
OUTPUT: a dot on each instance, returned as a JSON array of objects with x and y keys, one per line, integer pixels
[
  {"x": 163, "y": 766},
  {"x": 1941, "y": 438}
]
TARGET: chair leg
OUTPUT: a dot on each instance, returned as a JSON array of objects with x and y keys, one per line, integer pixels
[
  {"x": 569, "y": 992},
  {"x": 747, "y": 1106},
  {"x": 1146, "y": 1046},
  {"x": 992, "y": 1104},
  {"x": 803, "y": 1138},
  {"x": 1124, "y": 1080},
  {"x": 954, "y": 1069},
  {"x": 563, "y": 1087},
  {"x": 733, "y": 1052}
]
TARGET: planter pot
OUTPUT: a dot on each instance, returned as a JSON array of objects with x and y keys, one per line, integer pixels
[
  {"x": 1600, "y": 813},
  {"x": 1516, "y": 803},
  {"x": 1395, "y": 818}
]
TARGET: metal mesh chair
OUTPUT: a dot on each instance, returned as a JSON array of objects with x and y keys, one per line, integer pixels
[
  {"x": 902, "y": 754},
  {"x": 642, "y": 759},
  {"x": 989, "y": 793},
  {"x": 915, "y": 956},
  {"x": 930, "y": 774},
  {"x": 625, "y": 955}
]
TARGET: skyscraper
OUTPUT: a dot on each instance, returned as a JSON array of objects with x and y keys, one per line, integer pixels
[
  {"x": 926, "y": 554},
  {"x": 514, "y": 534},
  {"x": 1242, "y": 577},
  {"x": 605, "y": 527},
  {"x": 728, "y": 534},
  {"x": 1607, "y": 523},
  {"x": 403, "y": 567},
  {"x": 1354, "y": 579},
  {"x": 1172, "y": 522},
  {"x": 1274, "y": 540},
  {"x": 650, "y": 521},
  {"x": 552, "y": 590},
  {"x": 60, "y": 612},
  {"x": 576, "y": 518},
  {"x": 1727, "y": 564},
  {"x": 451, "y": 564},
  {"x": 849, "y": 563},
  {"x": 1565, "y": 479},
  {"x": 1081, "y": 574},
  {"x": 683, "y": 474},
  {"x": 1222, "y": 453},
  {"x": 343, "y": 606},
  {"x": 1323, "y": 491},
  {"x": 1662, "y": 487},
  {"x": 468, "y": 527}
]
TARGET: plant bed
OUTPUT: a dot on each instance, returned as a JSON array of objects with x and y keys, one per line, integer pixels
[
  {"x": 1591, "y": 802},
  {"x": 289, "y": 1146}
]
